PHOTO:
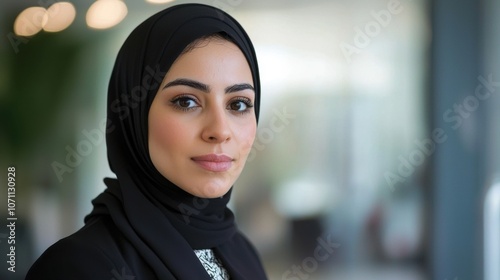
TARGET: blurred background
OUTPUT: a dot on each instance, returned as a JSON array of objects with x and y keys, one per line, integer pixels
[{"x": 377, "y": 154}]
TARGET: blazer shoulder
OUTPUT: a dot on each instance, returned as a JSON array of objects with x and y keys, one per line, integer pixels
[{"x": 77, "y": 256}]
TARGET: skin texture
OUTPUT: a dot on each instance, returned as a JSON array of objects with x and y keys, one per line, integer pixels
[{"x": 186, "y": 121}]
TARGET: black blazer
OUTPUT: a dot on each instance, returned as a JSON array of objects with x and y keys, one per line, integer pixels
[{"x": 96, "y": 251}]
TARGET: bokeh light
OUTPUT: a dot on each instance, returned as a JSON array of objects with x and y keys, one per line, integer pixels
[
  {"x": 105, "y": 14},
  {"x": 60, "y": 16},
  {"x": 30, "y": 21}
]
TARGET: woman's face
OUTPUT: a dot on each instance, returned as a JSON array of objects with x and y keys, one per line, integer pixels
[{"x": 202, "y": 122}]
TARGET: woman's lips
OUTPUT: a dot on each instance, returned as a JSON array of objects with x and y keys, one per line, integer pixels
[{"x": 213, "y": 162}]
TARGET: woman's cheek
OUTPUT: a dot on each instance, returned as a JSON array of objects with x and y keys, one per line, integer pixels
[
  {"x": 249, "y": 139},
  {"x": 162, "y": 131}
]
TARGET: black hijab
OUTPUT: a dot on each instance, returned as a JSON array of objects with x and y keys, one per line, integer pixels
[{"x": 163, "y": 222}]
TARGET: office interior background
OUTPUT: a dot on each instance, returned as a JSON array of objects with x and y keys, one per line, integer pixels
[{"x": 378, "y": 139}]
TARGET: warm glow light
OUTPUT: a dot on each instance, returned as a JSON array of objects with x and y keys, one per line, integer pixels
[
  {"x": 60, "y": 16},
  {"x": 106, "y": 13},
  {"x": 159, "y": 1},
  {"x": 30, "y": 21}
]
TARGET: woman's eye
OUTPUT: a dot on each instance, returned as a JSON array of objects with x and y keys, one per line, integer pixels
[
  {"x": 240, "y": 105},
  {"x": 184, "y": 103}
]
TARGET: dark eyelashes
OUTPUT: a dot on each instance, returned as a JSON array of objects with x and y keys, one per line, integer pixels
[
  {"x": 240, "y": 105},
  {"x": 245, "y": 100},
  {"x": 184, "y": 98},
  {"x": 186, "y": 103}
]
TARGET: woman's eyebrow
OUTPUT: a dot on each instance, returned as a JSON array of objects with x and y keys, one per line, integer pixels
[
  {"x": 238, "y": 87},
  {"x": 205, "y": 88},
  {"x": 190, "y": 83}
]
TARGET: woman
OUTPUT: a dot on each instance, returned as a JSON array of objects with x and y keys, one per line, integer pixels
[{"x": 183, "y": 104}]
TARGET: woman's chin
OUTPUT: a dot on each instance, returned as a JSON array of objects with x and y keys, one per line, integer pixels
[{"x": 212, "y": 190}]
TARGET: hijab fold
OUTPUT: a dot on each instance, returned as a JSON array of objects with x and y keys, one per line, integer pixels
[{"x": 163, "y": 222}]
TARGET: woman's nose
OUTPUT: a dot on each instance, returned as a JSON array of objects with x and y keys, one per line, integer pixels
[{"x": 216, "y": 129}]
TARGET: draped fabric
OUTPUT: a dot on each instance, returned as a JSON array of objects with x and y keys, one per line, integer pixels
[{"x": 162, "y": 222}]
